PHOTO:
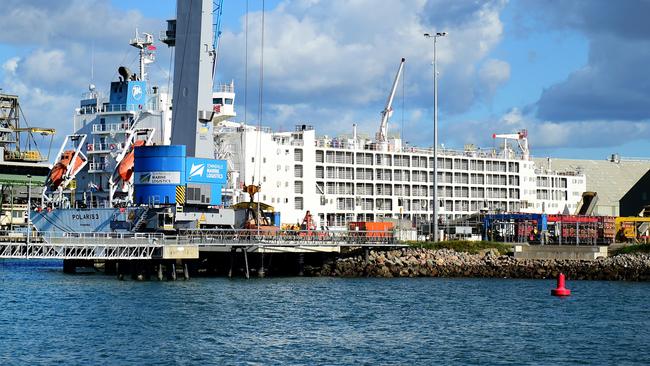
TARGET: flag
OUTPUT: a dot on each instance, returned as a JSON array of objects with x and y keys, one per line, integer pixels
[{"x": 151, "y": 48}]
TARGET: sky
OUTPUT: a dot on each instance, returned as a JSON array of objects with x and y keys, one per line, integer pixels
[{"x": 573, "y": 73}]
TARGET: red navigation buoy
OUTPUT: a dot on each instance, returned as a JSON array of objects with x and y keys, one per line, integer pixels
[{"x": 560, "y": 290}]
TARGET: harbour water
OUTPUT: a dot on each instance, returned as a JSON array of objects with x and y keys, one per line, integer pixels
[{"x": 52, "y": 318}]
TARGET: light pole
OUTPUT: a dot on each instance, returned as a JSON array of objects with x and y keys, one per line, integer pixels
[
  {"x": 29, "y": 212},
  {"x": 435, "y": 134}
]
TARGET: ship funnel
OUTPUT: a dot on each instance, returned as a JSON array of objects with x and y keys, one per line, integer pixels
[{"x": 125, "y": 73}]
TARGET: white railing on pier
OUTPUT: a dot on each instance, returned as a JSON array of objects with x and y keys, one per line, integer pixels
[{"x": 58, "y": 245}]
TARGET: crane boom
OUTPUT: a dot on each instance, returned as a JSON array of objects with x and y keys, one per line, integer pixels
[
  {"x": 522, "y": 140},
  {"x": 216, "y": 33},
  {"x": 382, "y": 135}
]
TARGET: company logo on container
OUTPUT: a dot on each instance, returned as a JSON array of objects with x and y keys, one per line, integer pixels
[
  {"x": 145, "y": 178},
  {"x": 197, "y": 170},
  {"x": 158, "y": 177}
]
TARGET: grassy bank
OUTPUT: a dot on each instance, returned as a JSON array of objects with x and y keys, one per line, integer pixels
[
  {"x": 630, "y": 249},
  {"x": 471, "y": 247}
]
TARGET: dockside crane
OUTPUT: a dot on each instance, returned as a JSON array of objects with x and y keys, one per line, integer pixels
[{"x": 382, "y": 135}]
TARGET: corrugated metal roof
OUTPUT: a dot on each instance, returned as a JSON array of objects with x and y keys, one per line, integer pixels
[{"x": 611, "y": 180}]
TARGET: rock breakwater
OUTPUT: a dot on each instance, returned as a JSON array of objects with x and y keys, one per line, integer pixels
[{"x": 418, "y": 262}]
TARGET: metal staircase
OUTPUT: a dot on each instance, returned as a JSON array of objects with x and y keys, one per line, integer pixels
[{"x": 141, "y": 221}]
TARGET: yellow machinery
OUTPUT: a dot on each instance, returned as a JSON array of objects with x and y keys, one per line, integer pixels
[
  {"x": 255, "y": 218},
  {"x": 632, "y": 228}
]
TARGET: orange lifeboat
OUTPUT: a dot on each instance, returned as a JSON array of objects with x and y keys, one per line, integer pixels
[
  {"x": 125, "y": 168},
  {"x": 55, "y": 178}
]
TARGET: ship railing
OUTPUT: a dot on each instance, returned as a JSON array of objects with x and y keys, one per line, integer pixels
[
  {"x": 336, "y": 143},
  {"x": 568, "y": 173},
  {"x": 102, "y": 147},
  {"x": 111, "y": 127},
  {"x": 97, "y": 166},
  {"x": 227, "y": 129},
  {"x": 106, "y": 108},
  {"x": 92, "y": 95},
  {"x": 127, "y": 107},
  {"x": 224, "y": 88}
]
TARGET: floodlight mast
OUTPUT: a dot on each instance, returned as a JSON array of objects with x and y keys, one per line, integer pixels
[{"x": 434, "y": 218}]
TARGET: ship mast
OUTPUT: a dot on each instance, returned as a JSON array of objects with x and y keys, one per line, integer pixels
[{"x": 146, "y": 47}]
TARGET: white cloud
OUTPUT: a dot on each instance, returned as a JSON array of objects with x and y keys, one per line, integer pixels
[
  {"x": 493, "y": 74},
  {"x": 11, "y": 65},
  {"x": 513, "y": 117},
  {"x": 47, "y": 67}
]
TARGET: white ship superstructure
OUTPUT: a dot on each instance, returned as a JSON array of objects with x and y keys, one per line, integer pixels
[{"x": 350, "y": 178}]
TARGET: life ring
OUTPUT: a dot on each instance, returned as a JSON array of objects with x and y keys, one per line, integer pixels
[{"x": 112, "y": 146}]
